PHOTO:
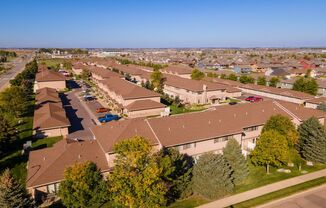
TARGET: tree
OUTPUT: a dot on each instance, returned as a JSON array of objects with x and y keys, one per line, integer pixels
[
  {"x": 197, "y": 75},
  {"x": 271, "y": 149},
  {"x": 308, "y": 85},
  {"x": 312, "y": 140},
  {"x": 177, "y": 173},
  {"x": 284, "y": 126},
  {"x": 157, "y": 80},
  {"x": 136, "y": 180},
  {"x": 223, "y": 76},
  {"x": 83, "y": 186},
  {"x": 12, "y": 193},
  {"x": 85, "y": 74},
  {"x": 233, "y": 155},
  {"x": 261, "y": 81},
  {"x": 6, "y": 136},
  {"x": 13, "y": 100},
  {"x": 244, "y": 79},
  {"x": 212, "y": 176},
  {"x": 322, "y": 106},
  {"x": 211, "y": 74},
  {"x": 274, "y": 81},
  {"x": 233, "y": 77}
]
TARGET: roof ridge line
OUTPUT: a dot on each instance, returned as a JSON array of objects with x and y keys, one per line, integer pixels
[
  {"x": 286, "y": 110},
  {"x": 149, "y": 125}
]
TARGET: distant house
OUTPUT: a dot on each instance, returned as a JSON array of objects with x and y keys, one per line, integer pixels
[
  {"x": 49, "y": 78},
  {"x": 314, "y": 103},
  {"x": 78, "y": 67},
  {"x": 243, "y": 69},
  {"x": 180, "y": 70}
]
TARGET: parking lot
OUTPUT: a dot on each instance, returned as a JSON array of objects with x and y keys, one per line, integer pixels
[{"x": 81, "y": 114}]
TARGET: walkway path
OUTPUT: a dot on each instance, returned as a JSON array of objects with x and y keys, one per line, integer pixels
[{"x": 237, "y": 198}]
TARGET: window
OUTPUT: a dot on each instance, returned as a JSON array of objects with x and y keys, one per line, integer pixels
[
  {"x": 252, "y": 128},
  {"x": 51, "y": 189},
  {"x": 186, "y": 146},
  {"x": 222, "y": 139}
]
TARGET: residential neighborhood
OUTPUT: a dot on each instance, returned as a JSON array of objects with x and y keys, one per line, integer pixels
[{"x": 163, "y": 104}]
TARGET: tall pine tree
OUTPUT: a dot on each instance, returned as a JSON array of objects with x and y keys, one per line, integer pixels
[
  {"x": 312, "y": 140},
  {"x": 233, "y": 155},
  {"x": 13, "y": 194},
  {"x": 212, "y": 176}
]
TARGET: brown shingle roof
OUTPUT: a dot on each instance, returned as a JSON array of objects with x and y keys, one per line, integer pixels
[
  {"x": 317, "y": 101},
  {"x": 224, "y": 120},
  {"x": 47, "y": 94},
  {"x": 178, "y": 69},
  {"x": 144, "y": 105},
  {"x": 109, "y": 134},
  {"x": 104, "y": 73},
  {"x": 50, "y": 115},
  {"x": 48, "y": 75},
  {"x": 48, "y": 165},
  {"x": 128, "y": 90}
]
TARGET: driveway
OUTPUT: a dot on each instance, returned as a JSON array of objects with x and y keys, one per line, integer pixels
[
  {"x": 80, "y": 120},
  {"x": 313, "y": 198}
]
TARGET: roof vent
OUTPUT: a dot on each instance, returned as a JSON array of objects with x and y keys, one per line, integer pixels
[
  {"x": 43, "y": 158},
  {"x": 183, "y": 126},
  {"x": 246, "y": 113},
  {"x": 209, "y": 121},
  {"x": 136, "y": 130},
  {"x": 235, "y": 115},
  {"x": 219, "y": 120},
  {"x": 79, "y": 156},
  {"x": 263, "y": 110},
  {"x": 169, "y": 129}
]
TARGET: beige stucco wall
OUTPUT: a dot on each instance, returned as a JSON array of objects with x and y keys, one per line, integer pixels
[
  {"x": 144, "y": 113},
  {"x": 58, "y": 85},
  {"x": 193, "y": 97},
  {"x": 198, "y": 148},
  {"x": 233, "y": 94},
  {"x": 51, "y": 132}
]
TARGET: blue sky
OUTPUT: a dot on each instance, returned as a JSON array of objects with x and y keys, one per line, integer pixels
[{"x": 162, "y": 23}]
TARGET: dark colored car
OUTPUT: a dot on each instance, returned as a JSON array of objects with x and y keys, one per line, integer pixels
[
  {"x": 108, "y": 117},
  {"x": 232, "y": 103},
  {"x": 254, "y": 99}
]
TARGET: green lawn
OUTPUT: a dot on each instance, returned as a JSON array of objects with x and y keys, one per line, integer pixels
[
  {"x": 281, "y": 193},
  {"x": 14, "y": 159},
  {"x": 256, "y": 178},
  {"x": 185, "y": 109},
  {"x": 53, "y": 63},
  {"x": 193, "y": 201}
]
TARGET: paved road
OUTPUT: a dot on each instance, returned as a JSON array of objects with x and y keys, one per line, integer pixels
[
  {"x": 312, "y": 198},
  {"x": 19, "y": 65},
  {"x": 79, "y": 117},
  {"x": 237, "y": 198}
]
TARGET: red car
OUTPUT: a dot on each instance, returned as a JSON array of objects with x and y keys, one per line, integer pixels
[
  {"x": 102, "y": 110},
  {"x": 254, "y": 99}
]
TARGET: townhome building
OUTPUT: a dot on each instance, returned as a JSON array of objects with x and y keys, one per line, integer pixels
[
  {"x": 49, "y": 78},
  {"x": 193, "y": 134}
]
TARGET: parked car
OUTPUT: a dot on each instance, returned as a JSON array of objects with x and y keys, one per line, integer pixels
[
  {"x": 108, "y": 117},
  {"x": 254, "y": 99},
  {"x": 102, "y": 110},
  {"x": 232, "y": 103},
  {"x": 88, "y": 97}
]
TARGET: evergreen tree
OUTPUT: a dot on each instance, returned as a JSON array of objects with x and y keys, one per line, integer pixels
[
  {"x": 312, "y": 140},
  {"x": 177, "y": 172},
  {"x": 233, "y": 77},
  {"x": 233, "y": 155},
  {"x": 322, "y": 106},
  {"x": 13, "y": 194},
  {"x": 6, "y": 136},
  {"x": 308, "y": 85},
  {"x": 212, "y": 176},
  {"x": 83, "y": 186},
  {"x": 157, "y": 80}
]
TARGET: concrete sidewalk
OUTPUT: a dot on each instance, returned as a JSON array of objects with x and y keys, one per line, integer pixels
[{"x": 237, "y": 198}]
